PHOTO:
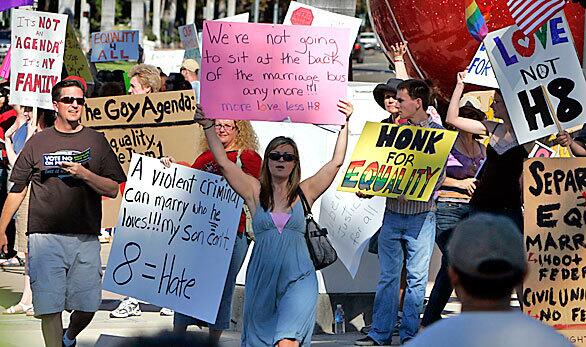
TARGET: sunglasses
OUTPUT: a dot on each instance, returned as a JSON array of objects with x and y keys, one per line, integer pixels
[
  {"x": 286, "y": 156},
  {"x": 68, "y": 100}
]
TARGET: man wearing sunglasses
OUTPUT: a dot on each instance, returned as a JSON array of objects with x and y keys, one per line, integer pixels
[{"x": 69, "y": 168}]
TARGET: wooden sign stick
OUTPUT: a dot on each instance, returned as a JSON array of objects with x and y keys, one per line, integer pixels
[{"x": 554, "y": 115}]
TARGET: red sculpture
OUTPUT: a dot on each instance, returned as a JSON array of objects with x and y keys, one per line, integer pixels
[{"x": 439, "y": 42}]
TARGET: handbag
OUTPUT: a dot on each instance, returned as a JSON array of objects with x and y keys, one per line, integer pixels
[{"x": 321, "y": 251}]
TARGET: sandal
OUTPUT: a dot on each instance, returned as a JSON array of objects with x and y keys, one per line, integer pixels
[
  {"x": 30, "y": 312},
  {"x": 18, "y": 309}
]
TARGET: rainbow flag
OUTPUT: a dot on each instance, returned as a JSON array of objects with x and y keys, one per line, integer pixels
[{"x": 475, "y": 21}]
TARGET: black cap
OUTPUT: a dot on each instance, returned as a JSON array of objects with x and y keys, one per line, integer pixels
[{"x": 379, "y": 90}]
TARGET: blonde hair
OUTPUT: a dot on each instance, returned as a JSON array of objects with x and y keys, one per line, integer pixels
[
  {"x": 148, "y": 76},
  {"x": 245, "y": 139}
]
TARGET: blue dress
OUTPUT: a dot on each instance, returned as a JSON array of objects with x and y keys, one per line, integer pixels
[{"x": 280, "y": 295}]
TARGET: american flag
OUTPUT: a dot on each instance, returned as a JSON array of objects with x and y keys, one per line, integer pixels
[{"x": 530, "y": 15}]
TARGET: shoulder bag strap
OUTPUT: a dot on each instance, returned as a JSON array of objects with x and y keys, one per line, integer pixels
[{"x": 306, "y": 209}]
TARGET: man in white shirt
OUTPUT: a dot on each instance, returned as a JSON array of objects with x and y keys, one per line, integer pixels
[
  {"x": 487, "y": 260},
  {"x": 190, "y": 70}
]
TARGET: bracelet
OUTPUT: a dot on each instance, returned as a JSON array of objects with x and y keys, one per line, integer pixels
[
  {"x": 397, "y": 60},
  {"x": 208, "y": 127}
]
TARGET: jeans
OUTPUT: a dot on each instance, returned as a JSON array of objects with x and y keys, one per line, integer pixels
[
  {"x": 448, "y": 215},
  {"x": 223, "y": 317},
  {"x": 412, "y": 237}
]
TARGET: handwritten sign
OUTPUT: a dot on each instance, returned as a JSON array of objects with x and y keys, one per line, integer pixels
[
  {"x": 350, "y": 220},
  {"x": 555, "y": 199},
  {"x": 275, "y": 72},
  {"x": 524, "y": 64},
  {"x": 158, "y": 108},
  {"x": 188, "y": 36},
  {"x": 323, "y": 18},
  {"x": 391, "y": 160},
  {"x": 174, "y": 238},
  {"x": 480, "y": 71},
  {"x": 75, "y": 61},
  {"x": 114, "y": 45},
  {"x": 5, "y": 68},
  {"x": 37, "y": 48}
]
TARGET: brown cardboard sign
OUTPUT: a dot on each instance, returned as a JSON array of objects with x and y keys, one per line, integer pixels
[
  {"x": 157, "y": 109},
  {"x": 555, "y": 239}
]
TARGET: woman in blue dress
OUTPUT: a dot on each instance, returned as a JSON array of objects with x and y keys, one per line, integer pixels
[{"x": 281, "y": 285}]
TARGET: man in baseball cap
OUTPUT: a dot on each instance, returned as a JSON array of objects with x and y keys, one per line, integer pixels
[
  {"x": 190, "y": 70},
  {"x": 487, "y": 260}
]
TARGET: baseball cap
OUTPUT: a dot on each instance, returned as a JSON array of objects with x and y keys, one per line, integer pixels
[
  {"x": 485, "y": 238},
  {"x": 190, "y": 64}
]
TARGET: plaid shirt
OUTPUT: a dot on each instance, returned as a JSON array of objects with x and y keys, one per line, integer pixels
[{"x": 415, "y": 207}]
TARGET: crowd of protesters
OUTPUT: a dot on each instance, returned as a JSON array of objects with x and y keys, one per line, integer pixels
[{"x": 479, "y": 185}]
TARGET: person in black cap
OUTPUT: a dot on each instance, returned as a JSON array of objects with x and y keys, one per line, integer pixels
[{"x": 487, "y": 261}]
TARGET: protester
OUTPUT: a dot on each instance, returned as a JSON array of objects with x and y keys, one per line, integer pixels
[
  {"x": 408, "y": 232},
  {"x": 241, "y": 145},
  {"x": 487, "y": 260},
  {"x": 281, "y": 285},
  {"x": 499, "y": 184},
  {"x": 64, "y": 215},
  {"x": 190, "y": 70},
  {"x": 176, "y": 81},
  {"x": 144, "y": 79},
  {"x": 464, "y": 161},
  {"x": 7, "y": 118}
]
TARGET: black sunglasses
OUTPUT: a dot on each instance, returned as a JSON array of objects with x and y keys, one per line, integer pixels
[
  {"x": 286, "y": 156},
  {"x": 70, "y": 99}
]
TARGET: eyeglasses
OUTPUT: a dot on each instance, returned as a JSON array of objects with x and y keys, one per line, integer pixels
[
  {"x": 226, "y": 127},
  {"x": 68, "y": 100},
  {"x": 286, "y": 156}
]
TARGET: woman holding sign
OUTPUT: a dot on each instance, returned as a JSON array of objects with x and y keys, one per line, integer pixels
[
  {"x": 240, "y": 143},
  {"x": 499, "y": 182},
  {"x": 281, "y": 285}
]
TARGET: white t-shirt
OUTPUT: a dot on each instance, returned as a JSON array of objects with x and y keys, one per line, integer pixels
[{"x": 489, "y": 329}]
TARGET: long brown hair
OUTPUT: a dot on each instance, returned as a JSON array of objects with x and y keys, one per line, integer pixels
[
  {"x": 246, "y": 138},
  {"x": 266, "y": 187}
]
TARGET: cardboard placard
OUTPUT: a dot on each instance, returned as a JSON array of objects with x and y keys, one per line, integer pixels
[
  {"x": 275, "y": 72},
  {"x": 480, "y": 71},
  {"x": 174, "y": 238},
  {"x": 76, "y": 63},
  {"x": 114, "y": 45},
  {"x": 146, "y": 109},
  {"x": 555, "y": 288},
  {"x": 321, "y": 18},
  {"x": 188, "y": 36},
  {"x": 524, "y": 64},
  {"x": 351, "y": 221},
  {"x": 37, "y": 47},
  {"x": 391, "y": 160}
]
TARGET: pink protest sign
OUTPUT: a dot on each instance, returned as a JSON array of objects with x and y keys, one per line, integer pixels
[
  {"x": 273, "y": 72},
  {"x": 5, "y": 68}
]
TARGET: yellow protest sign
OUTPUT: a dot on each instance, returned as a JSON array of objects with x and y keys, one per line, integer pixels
[
  {"x": 555, "y": 224},
  {"x": 75, "y": 61},
  {"x": 391, "y": 160}
]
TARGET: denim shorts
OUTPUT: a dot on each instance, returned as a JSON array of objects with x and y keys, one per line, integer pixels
[{"x": 65, "y": 272}]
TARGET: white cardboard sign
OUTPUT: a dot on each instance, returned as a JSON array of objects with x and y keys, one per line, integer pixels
[
  {"x": 174, "y": 238},
  {"x": 37, "y": 47},
  {"x": 321, "y": 18},
  {"x": 479, "y": 71},
  {"x": 524, "y": 65}
]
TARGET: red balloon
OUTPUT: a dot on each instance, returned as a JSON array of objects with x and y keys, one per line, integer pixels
[{"x": 439, "y": 41}]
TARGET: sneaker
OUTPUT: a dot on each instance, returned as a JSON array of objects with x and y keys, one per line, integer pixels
[
  {"x": 366, "y": 329},
  {"x": 127, "y": 308},
  {"x": 63, "y": 341},
  {"x": 166, "y": 312},
  {"x": 366, "y": 341}
]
